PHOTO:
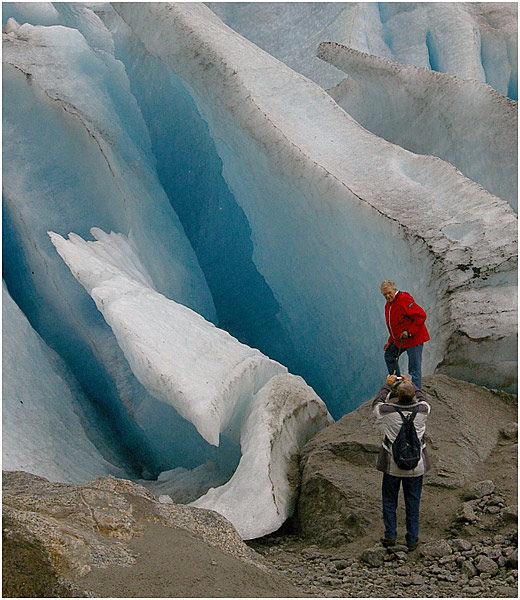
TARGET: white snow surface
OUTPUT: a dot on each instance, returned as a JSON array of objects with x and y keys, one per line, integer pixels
[
  {"x": 260, "y": 496},
  {"x": 183, "y": 486},
  {"x": 334, "y": 177},
  {"x": 43, "y": 424},
  {"x": 464, "y": 122},
  {"x": 178, "y": 356}
]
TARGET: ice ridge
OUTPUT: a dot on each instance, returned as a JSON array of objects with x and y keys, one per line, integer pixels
[
  {"x": 178, "y": 356},
  {"x": 470, "y": 40},
  {"x": 464, "y": 122},
  {"x": 220, "y": 385}
]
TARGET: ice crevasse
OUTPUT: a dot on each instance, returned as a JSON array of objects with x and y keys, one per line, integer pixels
[{"x": 344, "y": 208}]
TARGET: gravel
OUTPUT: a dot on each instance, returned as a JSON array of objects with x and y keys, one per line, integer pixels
[{"x": 457, "y": 565}]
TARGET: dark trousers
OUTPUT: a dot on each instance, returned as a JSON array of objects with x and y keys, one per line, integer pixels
[
  {"x": 414, "y": 362},
  {"x": 412, "y": 487}
]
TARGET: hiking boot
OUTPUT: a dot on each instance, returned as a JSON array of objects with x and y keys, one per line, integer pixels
[
  {"x": 388, "y": 542},
  {"x": 412, "y": 547}
]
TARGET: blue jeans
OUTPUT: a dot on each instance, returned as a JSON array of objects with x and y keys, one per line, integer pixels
[
  {"x": 414, "y": 362},
  {"x": 412, "y": 487}
]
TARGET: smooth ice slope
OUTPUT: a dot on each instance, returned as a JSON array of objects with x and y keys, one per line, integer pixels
[
  {"x": 45, "y": 415},
  {"x": 178, "y": 356},
  {"x": 466, "y": 123},
  {"x": 470, "y": 40},
  {"x": 260, "y": 496},
  {"x": 313, "y": 194},
  {"x": 77, "y": 152}
]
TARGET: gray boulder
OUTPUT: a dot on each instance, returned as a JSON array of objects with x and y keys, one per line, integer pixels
[
  {"x": 374, "y": 557},
  {"x": 466, "y": 513},
  {"x": 512, "y": 559},
  {"x": 468, "y": 568},
  {"x": 340, "y": 491},
  {"x": 340, "y": 496},
  {"x": 485, "y": 564},
  {"x": 436, "y": 549},
  {"x": 510, "y": 514},
  {"x": 461, "y": 545}
]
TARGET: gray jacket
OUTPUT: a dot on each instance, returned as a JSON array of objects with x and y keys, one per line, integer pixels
[{"x": 389, "y": 420}]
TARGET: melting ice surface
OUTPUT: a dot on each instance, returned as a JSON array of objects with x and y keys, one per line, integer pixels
[{"x": 247, "y": 210}]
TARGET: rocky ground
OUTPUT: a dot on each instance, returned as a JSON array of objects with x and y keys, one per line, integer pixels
[
  {"x": 474, "y": 559},
  {"x": 113, "y": 538}
]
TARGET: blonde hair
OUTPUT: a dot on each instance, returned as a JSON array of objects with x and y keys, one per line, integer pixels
[{"x": 387, "y": 284}]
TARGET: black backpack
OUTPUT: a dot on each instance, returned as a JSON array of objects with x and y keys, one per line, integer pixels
[{"x": 406, "y": 448}]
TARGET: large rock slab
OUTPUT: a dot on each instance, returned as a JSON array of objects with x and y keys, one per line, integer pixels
[
  {"x": 341, "y": 488},
  {"x": 54, "y": 533}
]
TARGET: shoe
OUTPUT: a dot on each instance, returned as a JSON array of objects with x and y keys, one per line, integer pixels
[
  {"x": 412, "y": 547},
  {"x": 388, "y": 542}
]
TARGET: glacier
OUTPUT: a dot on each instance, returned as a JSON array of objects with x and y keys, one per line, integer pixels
[
  {"x": 88, "y": 125},
  {"x": 338, "y": 201},
  {"x": 218, "y": 198},
  {"x": 49, "y": 426}
]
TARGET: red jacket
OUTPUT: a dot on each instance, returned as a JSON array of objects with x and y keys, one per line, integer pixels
[{"x": 403, "y": 314}]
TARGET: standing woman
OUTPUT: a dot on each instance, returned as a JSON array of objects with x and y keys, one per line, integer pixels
[{"x": 405, "y": 321}]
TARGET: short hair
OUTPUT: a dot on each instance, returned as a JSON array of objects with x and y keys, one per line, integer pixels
[
  {"x": 405, "y": 392},
  {"x": 387, "y": 284}
]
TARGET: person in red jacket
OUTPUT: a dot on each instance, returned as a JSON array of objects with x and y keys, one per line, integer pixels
[{"x": 405, "y": 322}]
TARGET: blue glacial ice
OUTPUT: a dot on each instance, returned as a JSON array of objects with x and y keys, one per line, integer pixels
[
  {"x": 226, "y": 192},
  {"x": 81, "y": 155},
  {"x": 336, "y": 225},
  {"x": 49, "y": 426}
]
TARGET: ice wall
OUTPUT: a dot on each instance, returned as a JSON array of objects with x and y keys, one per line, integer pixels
[
  {"x": 313, "y": 194},
  {"x": 472, "y": 40},
  {"x": 466, "y": 123},
  {"x": 49, "y": 427},
  {"x": 77, "y": 153},
  {"x": 190, "y": 170}
]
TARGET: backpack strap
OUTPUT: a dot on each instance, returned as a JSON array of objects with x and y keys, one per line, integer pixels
[{"x": 410, "y": 417}]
